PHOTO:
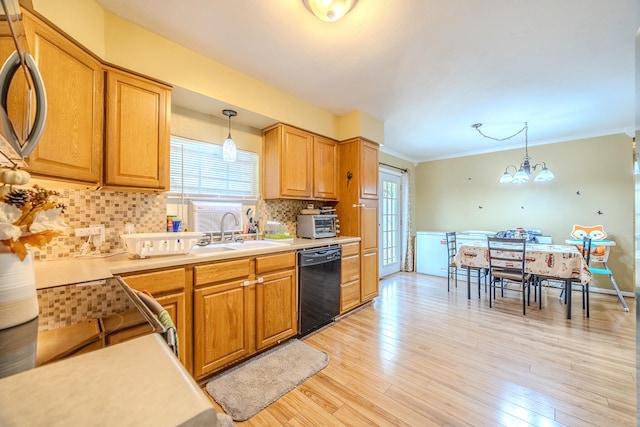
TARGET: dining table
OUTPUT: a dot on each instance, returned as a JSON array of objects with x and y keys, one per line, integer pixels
[{"x": 564, "y": 263}]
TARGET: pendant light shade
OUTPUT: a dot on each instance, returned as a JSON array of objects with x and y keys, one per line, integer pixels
[
  {"x": 329, "y": 10},
  {"x": 229, "y": 147}
]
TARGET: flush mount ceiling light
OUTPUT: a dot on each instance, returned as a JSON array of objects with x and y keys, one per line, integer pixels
[
  {"x": 329, "y": 10},
  {"x": 521, "y": 175},
  {"x": 229, "y": 147}
]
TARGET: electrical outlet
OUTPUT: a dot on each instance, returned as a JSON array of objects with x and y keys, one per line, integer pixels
[
  {"x": 98, "y": 237},
  {"x": 94, "y": 230},
  {"x": 88, "y": 231}
]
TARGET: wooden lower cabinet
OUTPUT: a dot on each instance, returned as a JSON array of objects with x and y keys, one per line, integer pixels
[
  {"x": 241, "y": 307},
  {"x": 170, "y": 288},
  {"x": 350, "y": 277},
  {"x": 221, "y": 325},
  {"x": 276, "y": 308},
  {"x": 369, "y": 277}
]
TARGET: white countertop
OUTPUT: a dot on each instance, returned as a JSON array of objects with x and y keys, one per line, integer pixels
[
  {"x": 78, "y": 270},
  {"x": 135, "y": 383}
]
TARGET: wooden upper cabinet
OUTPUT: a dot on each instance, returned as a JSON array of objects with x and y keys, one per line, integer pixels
[
  {"x": 71, "y": 145},
  {"x": 287, "y": 156},
  {"x": 137, "y": 132},
  {"x": 369, "y": 170},
  {"x": 325, "y": 168},
  {"x": 358, "y": 170},
  {"x": 298, "y": 165},
  {"x": 17, "y": 104}
]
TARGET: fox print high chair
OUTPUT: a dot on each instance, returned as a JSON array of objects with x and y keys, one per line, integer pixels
[{"x": 600, "y": 248}]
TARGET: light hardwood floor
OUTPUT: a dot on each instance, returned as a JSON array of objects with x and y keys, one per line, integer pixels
[{"x": 419, "y": 356}]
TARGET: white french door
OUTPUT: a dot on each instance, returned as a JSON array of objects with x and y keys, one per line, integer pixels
[{"x": 390, "y": 222}]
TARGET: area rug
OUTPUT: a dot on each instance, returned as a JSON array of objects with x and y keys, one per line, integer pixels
[{"x": 246, "y": 389}]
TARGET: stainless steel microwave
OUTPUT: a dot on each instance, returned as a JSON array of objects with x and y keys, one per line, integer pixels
[{"x": 317, "y": 226}]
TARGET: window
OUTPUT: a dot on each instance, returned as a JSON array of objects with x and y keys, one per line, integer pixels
[{"x": 207, "y": 175}]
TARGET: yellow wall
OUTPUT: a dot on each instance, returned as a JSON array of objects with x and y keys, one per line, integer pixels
[
  {"x": 464, "y": 194},
  {"x": 82, "y": 20},
  {"x": 122, "y": 43},
  {"x": 204, "y": 127},
  {"x": 410, "y": 167}
]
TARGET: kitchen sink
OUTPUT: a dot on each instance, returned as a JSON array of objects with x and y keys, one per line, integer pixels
[
  {"x": 255, "y": 244},
  {"x": 233, "y": 246},
  {"x": 210, "y": 249}
]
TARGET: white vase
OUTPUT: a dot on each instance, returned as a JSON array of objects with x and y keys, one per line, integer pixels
[{"x": 18, "y": 295}]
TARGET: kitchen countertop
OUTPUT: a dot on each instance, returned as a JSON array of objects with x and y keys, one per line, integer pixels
[
  {"x": 78, "y": 270},
  {"x": 135, "y": 383}
]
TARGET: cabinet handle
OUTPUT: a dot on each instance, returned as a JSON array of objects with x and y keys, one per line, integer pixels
[
  {"x": 358, "y": 205},
  {"x": 249, "y": 282}
]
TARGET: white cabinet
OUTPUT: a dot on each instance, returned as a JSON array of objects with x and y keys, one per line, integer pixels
[{"x": 431, "y": 253}]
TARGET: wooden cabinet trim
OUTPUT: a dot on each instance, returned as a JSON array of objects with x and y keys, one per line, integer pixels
[
  {"x": 350, "y": 249},
  {"x": 158, "y": 282},
  {"x": 222, "y": 271},
  {"x": 276, "y": 262}
]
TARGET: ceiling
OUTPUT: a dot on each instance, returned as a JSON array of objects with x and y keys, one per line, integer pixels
[{"x": 428, "y": 69}]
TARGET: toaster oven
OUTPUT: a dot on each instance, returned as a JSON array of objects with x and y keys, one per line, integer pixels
[{"x": 317, "y": 226}]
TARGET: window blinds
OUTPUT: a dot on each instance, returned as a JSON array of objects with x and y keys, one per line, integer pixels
[{"x": 206, "y": 174}]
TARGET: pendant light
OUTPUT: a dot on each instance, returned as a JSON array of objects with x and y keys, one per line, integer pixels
[
  {"x": 521, "y": 174},
  {"x": 229, "y": 147}
]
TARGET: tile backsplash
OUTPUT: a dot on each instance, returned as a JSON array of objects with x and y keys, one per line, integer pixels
[{"x": 147, "y": 211}]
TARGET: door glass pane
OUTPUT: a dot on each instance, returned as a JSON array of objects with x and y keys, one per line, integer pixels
[{"x": 390, "y": 223}]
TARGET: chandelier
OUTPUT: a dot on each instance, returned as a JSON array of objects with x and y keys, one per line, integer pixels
[{"x": 521, "y": 174}]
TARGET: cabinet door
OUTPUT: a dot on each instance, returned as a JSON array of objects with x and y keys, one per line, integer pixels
[
  {"x": 369, "y": 260},
  {"x": 349, "y": 296},
  {"x": 137, "y": 132},
  {"x": 71, "y": 145},
  {"x": 325, "y": 168},
  {"x": 369, "y": 170},
  {"x": 276, "y": 308},
  {"x": 168, "y": 288},
  {"x": 176, "y": 307},
  {"x": 17, "y": 103},
  {"x": 221, "y": 330},
  {"x": 369, "y": 276},
  {"x": 295, "y": 166},
  {"x": 369, "y": 225}
]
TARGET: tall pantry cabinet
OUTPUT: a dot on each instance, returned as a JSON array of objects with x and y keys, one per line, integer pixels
[{"x": 358, "y": 206}]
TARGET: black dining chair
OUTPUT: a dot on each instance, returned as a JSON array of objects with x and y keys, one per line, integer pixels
[
  {"x": 452, "y": 269},
  {"x": 507, "y": 260},
  {"x": 585, "y": 250},
  {"x": 586, "y": 253},
  {"x": 452, "y": 273}
]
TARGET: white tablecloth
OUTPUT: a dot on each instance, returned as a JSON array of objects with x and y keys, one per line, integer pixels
[{"x": 561, "y": 261}]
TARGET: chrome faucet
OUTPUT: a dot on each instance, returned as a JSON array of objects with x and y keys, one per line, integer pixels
[{"x": 222, "y": 224}]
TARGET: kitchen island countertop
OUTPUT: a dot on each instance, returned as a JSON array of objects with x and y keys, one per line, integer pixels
[{"x": 136, "y": 383}]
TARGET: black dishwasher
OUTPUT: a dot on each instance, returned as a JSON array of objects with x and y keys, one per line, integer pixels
[{"x": 319, "y": 287}]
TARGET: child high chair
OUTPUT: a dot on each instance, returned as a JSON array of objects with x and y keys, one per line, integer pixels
[{"x": 599, "y": 253}]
